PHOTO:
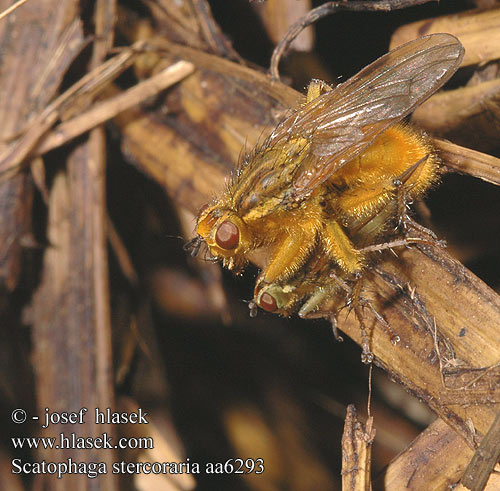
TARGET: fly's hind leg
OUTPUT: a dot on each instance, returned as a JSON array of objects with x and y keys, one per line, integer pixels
[
  {"x": 403, "y": 192},
  {"x": 354, "y": 302},
  {"x": 368, "y": 210},
  {"x": 405, "y": 222},
  {"x": 405, "y": 242},
  {"x": 403, "y": 197}
]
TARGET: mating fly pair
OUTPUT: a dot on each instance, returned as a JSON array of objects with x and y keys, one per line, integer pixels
[{"x": 331, "y": 182}]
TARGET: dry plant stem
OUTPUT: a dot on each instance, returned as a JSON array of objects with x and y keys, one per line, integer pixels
[
  {"x": 451, "y": 108},
  {"x": 11, "y": 9},
  {"x": 191, "y": 23},
  {"x": 212, "y": 33},
  {"x": 477, "y": 30},
  {"x": 72, "y": 101},
  {"x": 177, "y": 19},
  {"x": 72, "y": 332},
  {"x": 484, "y": 460},
  {"x": 70, "y": 354},
  {"x": 30, "y": 73},
  {"x": 121, "y": 253},
  {"x": 357, "y": 443},
  {"x": 92, "y": 182},
  {"x": 430, "y": 279},
  {"x": 470, "y": 162},
  {"x": 426, "y": 463},
  {"x": 329, "y": 8},
  {"x": 103, "y": 111}
]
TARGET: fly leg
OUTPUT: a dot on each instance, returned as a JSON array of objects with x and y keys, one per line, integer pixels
[
  {"x": 357, "y": 303},
  {"x": 406, "y": 242},
  {"x": 289, "y": 254},
  {"x": 334, "y": 322},
  {"x": 403, "y": 191},
  {"x": 339, "y": 248},
  {"x": 369, "y": 209},
  {"x": 403, "y": 199},
  {"x": 354, "y": 303}
]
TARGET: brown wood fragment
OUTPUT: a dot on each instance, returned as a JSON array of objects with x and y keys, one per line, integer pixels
[
  {"x": 211, "y": 32},
  {"x": 357, "y": 443},
  {"x": 425, "y": 464},
  {"x": 479, "y": 380},
  {"x": 477, "y": 30},
  {"x": 65, "y": 321},
  {"x": 178, "y": 21},
  {"x": 243, "y": 103},
  {"x": 90, "y": 178},
  {"x": 187, "y": 176},
  {"x": 432, "y": 294},
  {"x": 189, "y": 23}
]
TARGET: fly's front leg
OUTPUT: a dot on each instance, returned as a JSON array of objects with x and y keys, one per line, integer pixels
[{"x": 289, "y": 254}]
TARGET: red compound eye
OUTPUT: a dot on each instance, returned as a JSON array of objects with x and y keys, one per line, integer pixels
[
  {"x": 227, "y": 235},
  {"x": 268, "y": 302}
]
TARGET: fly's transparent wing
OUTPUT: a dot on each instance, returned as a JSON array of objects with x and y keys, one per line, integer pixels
[{"x": 341, "y": 123}]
